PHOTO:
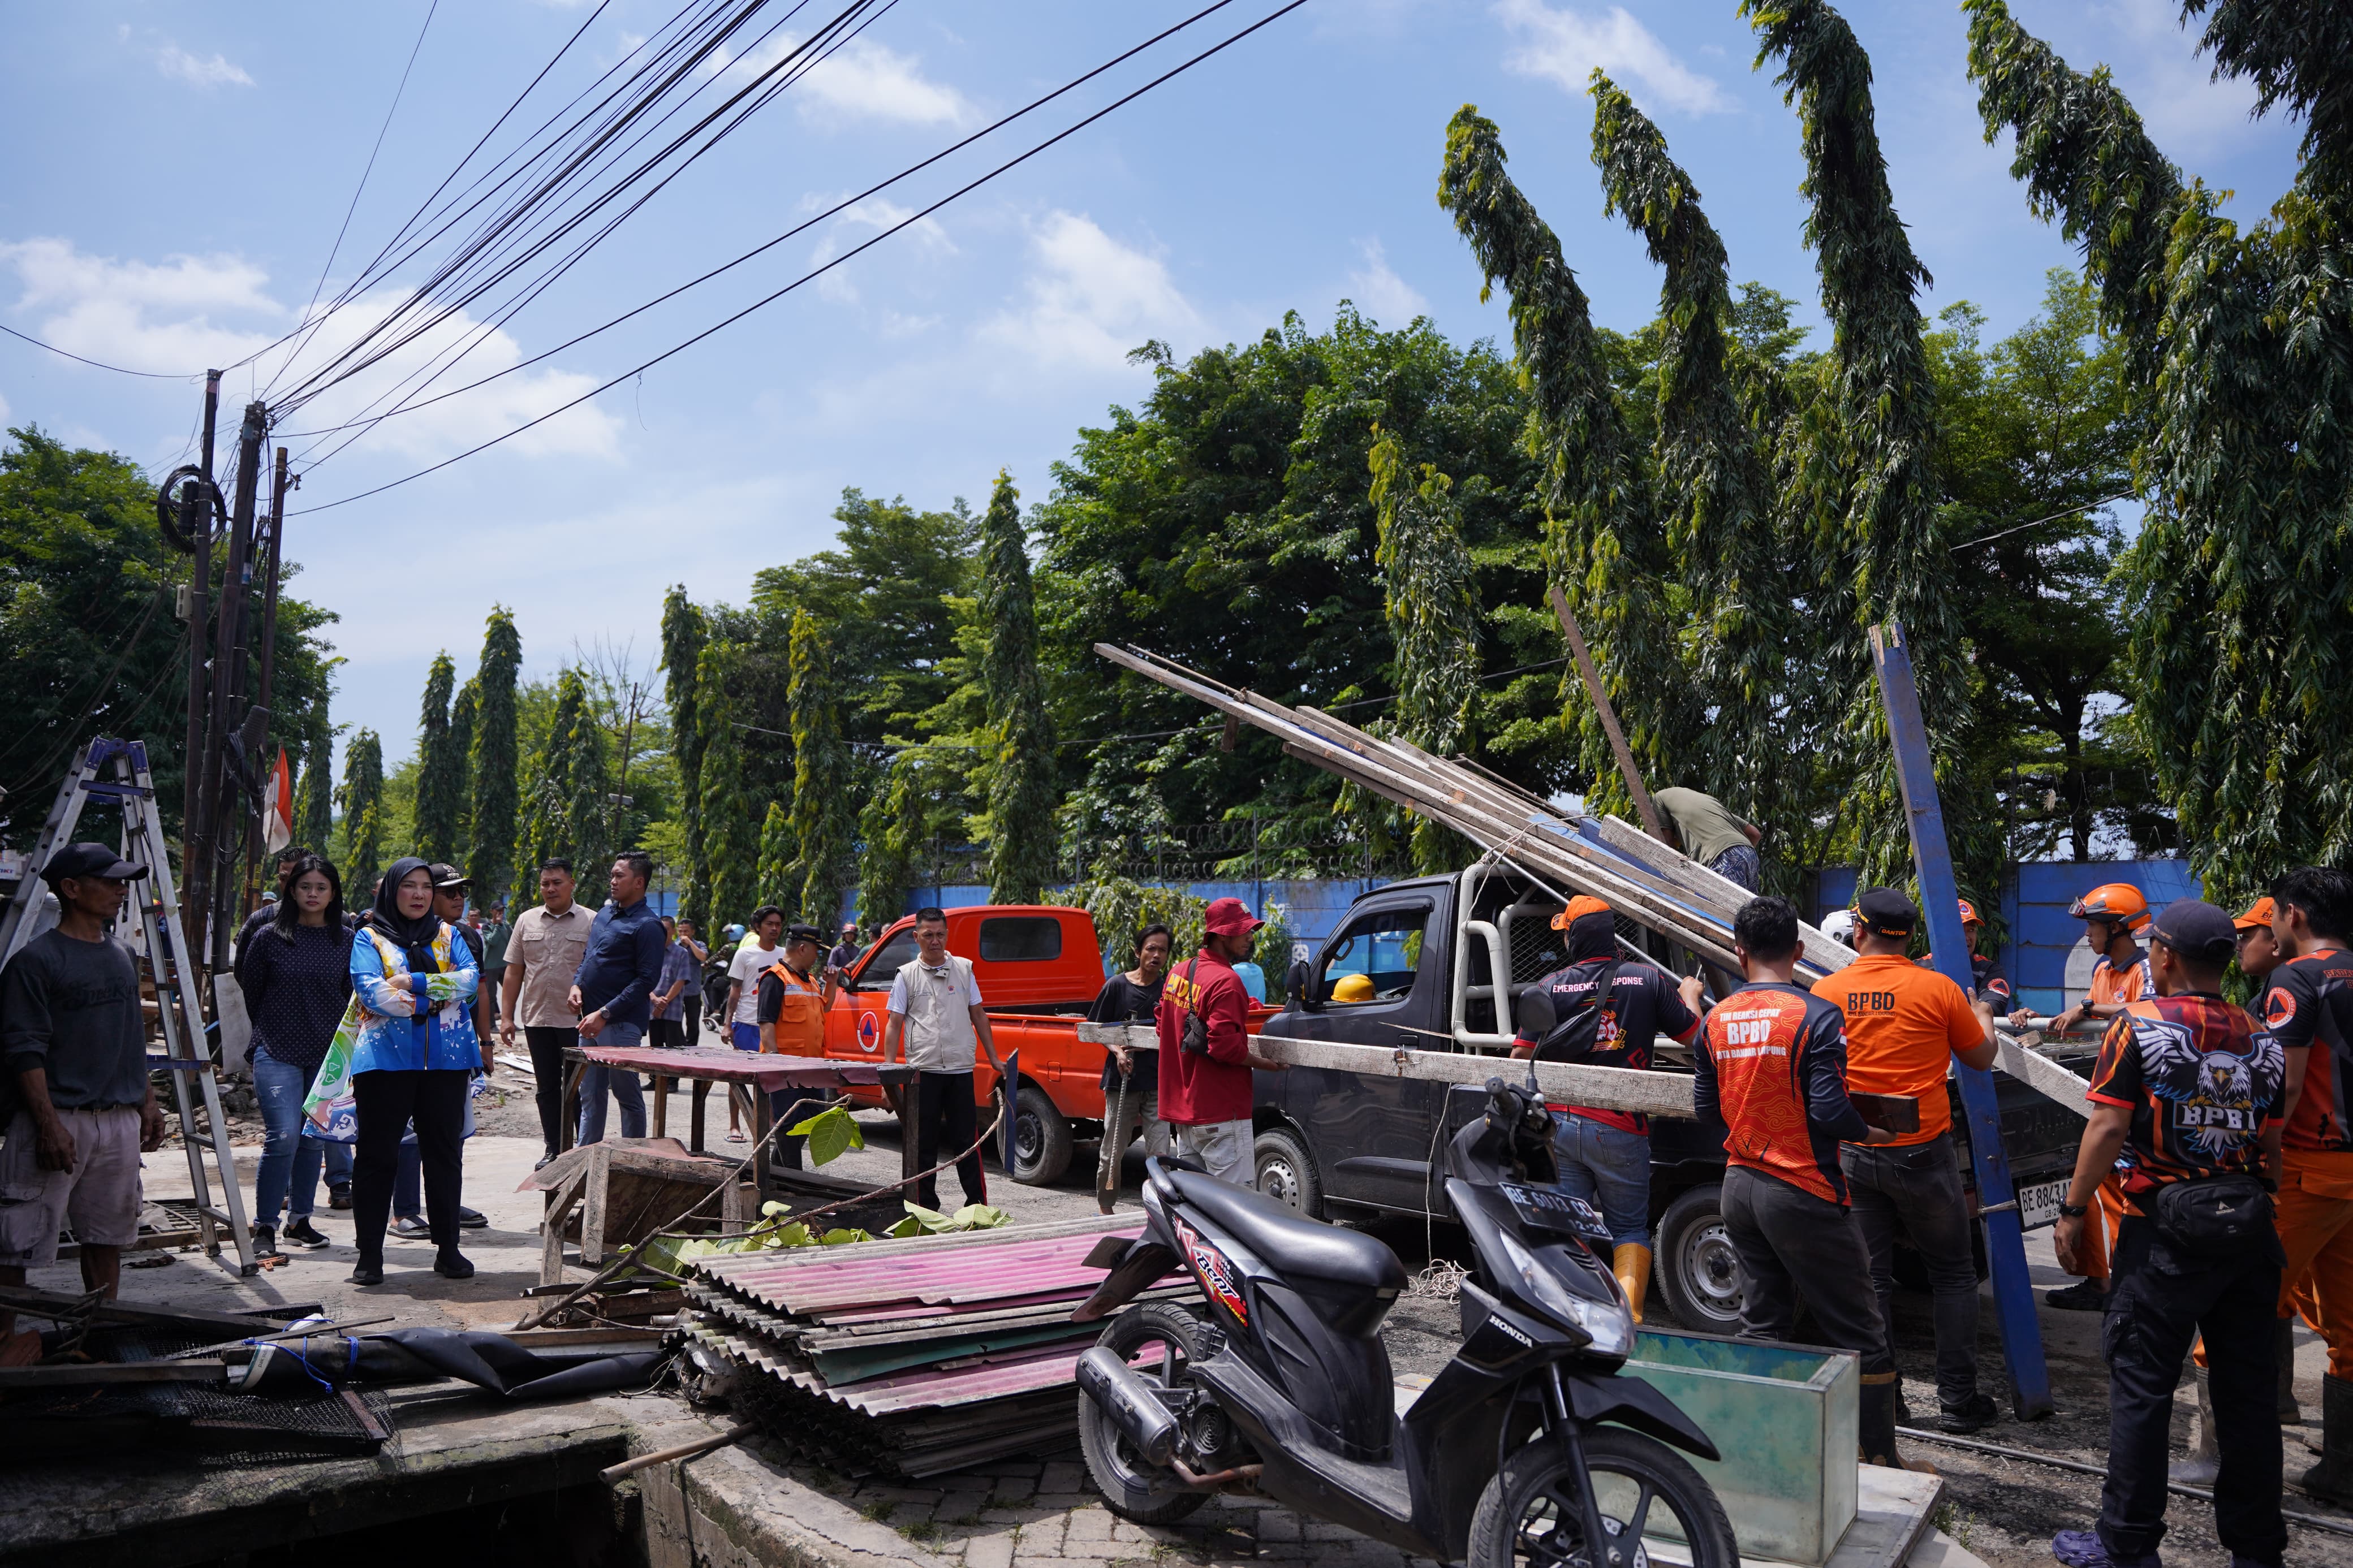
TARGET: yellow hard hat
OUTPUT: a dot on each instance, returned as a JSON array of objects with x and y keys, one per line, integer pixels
[{"x": 1353, "y": 988}]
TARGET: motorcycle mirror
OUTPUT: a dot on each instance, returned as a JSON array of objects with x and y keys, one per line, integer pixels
[{"x": 1298, "y": 983}]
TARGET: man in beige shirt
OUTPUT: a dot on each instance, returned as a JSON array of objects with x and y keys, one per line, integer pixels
[{"x": 536, "y": 992}]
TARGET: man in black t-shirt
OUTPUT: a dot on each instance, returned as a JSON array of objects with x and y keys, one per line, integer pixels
[{"x": 1604, "y": 1010}]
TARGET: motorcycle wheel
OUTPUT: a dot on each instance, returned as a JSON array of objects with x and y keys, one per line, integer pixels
[
  {"x": 1136, "y": 1492},
  {"x": 1532, "y": 1514}
]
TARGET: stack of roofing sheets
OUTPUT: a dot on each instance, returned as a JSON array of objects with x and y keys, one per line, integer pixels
[{"x": 914, "y": 1357}]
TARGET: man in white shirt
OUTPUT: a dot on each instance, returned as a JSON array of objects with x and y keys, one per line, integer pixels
[
  {"x": 535, "y": 989},
  {"x": 756, "y": 952},
  {"x": 935, "y": 1012}
]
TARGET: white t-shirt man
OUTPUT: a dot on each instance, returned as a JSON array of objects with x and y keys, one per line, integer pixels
[{"x": 743, "y": 971}]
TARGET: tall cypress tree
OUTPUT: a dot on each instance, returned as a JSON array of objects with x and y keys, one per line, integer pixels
[
  {"x": 684, "y": 630},
  {"x": 589, "y": 808},
  {"x": 362, "y": 799},
  {"x": 464, "y": 710},
  {"x": 1431, "y": 601},
  {"x": 1021, "y": 780},
  {"x": 1603, "y": 543},
  {"x": 1882, "y": 556},
  {"x": 730, "y": 838},
  {"x": 314, "y": 794},
  {"x": 496, "y": 765},
  {"x": 886, "y": 866},
  {"x": 820, "y": 818},
  {"x": 440, "y": 772},
  {"x": 780, "y": 882}
]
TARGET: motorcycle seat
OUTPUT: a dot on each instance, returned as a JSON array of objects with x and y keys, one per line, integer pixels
[{"x": 1304, "y": 1250}]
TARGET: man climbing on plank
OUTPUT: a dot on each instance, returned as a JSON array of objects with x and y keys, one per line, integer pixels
[
  {"x": 1699, "y": 825},
  {"x": 1603, "y": 1009}
]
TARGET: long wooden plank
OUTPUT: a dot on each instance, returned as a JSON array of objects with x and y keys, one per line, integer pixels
[
  {"x": 1607, "y": 1089},
  {"x": 2031, "y": 1068},
  {"x": 1721, "y": 893},
  {"x": 81, "y": 1374},
  {"x": 1593, "y": 688}
]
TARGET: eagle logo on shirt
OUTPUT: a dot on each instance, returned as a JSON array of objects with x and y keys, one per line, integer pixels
[{"x": 2218, "y": 1098}]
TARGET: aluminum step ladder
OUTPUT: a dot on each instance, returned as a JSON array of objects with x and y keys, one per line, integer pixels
[{"x": 115, "y": 773}]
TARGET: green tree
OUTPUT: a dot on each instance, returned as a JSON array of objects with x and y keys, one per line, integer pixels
[
  {"x": 684, "y": 630},
  {"x": 314, "y": 790},
  {"x": 821, "y": 815},
  {"x": 779, "y": 859},
  {"x": 565, "y": 800},
  {"x": 1021, "y": 795},
  {"x": 1432, "y": 607},
  {"x": 497, "y": 765},
  {"x": 465, "y": 712},
  {"x": 441, "y": 771},
  {"x": 1604, "y": 545},
  {"x": 730, "y": 838},
  {"x": 886, "y": 866},
  {"x": 1872, "y": 482},
  {"x": 362, "y": 800},
  {"x": 2238, "y": 341}
]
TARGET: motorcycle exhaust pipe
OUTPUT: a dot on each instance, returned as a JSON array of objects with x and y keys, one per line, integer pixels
[{"x": 1127, "y": 1399}]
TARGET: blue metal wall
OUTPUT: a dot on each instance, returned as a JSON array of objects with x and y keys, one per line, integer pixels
[{"x": 2034, "y": 901}]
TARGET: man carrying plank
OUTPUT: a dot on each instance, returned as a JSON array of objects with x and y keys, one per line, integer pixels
[
  {"x": 1772, "y": 1065},
  {"x": 1904, "y": 1026},
  {"x": 1603, "y": 1010}
]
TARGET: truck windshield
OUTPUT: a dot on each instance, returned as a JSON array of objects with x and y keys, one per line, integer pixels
[
  {"x": 887, "y": 960},
  {"x": 1374, "y": 960}
]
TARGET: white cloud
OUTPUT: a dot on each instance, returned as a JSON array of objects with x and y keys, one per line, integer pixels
[
  {"x": 1380, "y": 293},
  {"x": 191, "y": 312},
  {"x": 1568, "y": 46},
  {"x": 1091, "y": 299},
  {"x": 216, "y": 71},
  {"x": 2172, "y": 85},
  {"x": 861, "y": 80}
]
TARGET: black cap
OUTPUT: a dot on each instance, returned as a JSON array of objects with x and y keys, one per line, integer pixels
[
  {"x": 1887, "y": 912},
  {"x": 89, "y": 860},
  {"x": 447, "y": 878},
  {"x": 2197, "y": 931},
  {"x": 801, "y": 930}
]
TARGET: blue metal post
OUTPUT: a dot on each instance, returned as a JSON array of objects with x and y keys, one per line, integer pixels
[{"x": 1932, "y": 858}]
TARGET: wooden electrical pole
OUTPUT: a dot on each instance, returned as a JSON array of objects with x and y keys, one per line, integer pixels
[
  {"x": 1592, "y": 678},
  {"x": 196, "y": 522},
  {"x": 221, "y": 846},
  {"x": 270, "y": 556}
]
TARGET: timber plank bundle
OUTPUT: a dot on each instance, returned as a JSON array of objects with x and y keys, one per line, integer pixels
[{"x": 910, "y": 1357}]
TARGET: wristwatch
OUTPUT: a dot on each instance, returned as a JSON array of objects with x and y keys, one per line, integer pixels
[{"x": 2074, "y": 1211}]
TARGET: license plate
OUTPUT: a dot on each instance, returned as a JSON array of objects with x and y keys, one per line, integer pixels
[{"x": 2038, "y": 1205}]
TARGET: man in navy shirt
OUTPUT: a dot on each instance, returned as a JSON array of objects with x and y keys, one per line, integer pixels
[{"x": 614, "y": 989}]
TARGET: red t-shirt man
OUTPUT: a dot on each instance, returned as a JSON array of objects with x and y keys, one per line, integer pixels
[{"x": 1205, "y": 1094}]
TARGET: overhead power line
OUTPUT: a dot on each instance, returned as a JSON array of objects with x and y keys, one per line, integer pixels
[
  {"x": 766, "y": 300},
  {"x": 95, "y": 365},
  {"x": 837, "y": 209}
]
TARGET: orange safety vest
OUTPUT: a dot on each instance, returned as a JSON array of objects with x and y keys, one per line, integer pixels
[{"x": 800, "y": 1016}]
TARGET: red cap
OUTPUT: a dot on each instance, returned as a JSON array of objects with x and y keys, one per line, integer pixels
[{"x": 1230, "y": 917}]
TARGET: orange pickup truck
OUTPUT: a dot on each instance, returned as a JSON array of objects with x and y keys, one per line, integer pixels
[{"x": 1038, "y": 967}]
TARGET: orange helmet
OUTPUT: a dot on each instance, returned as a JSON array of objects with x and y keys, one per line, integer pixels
[
  {"x": 1578, "y": 909},
  {"x": 1969, "y": 916},
  {"x": 2120, "y": 903},
  {"x": 2259, "y": 913}
]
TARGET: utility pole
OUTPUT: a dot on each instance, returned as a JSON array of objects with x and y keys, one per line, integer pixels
[
  {"x": 227, "y": 645},
  {"x": 278, "y": 488},
  {"x": 196, "y": 522}
]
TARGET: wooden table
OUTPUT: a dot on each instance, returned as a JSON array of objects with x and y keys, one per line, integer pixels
[{"x": 752, "y": 1076}]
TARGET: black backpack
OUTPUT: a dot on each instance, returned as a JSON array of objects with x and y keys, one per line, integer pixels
[{"x": 1573, "y": 1041}]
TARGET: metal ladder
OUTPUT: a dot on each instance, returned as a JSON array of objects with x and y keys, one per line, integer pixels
[{"x": 115, "y": 771}]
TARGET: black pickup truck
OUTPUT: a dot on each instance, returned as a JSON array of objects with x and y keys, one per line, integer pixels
[{"x": 1418, "y": 964}]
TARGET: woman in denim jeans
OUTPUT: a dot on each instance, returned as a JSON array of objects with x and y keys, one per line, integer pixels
[{"x": 296, "y": 974}]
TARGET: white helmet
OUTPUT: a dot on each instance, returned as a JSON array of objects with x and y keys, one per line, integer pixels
[{"x": 1839, "y": 924}]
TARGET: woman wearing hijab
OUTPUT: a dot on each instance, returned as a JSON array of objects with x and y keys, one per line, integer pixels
[{"x": 413, "y": 1054}]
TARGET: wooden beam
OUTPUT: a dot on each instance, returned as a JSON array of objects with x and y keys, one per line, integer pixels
[
  {"x": 2031, "y": 1068},
  {"x": 1607, "y": 1089},
  {"x": 1592, "y": 679},
  {"x": 72, "y": 1375}
]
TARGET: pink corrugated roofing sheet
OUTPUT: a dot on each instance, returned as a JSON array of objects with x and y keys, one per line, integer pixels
[{"x": 949, "y": 1275}]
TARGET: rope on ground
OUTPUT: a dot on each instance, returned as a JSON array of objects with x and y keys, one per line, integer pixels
[
  {"x": 2311, "y": 1520},
  {"x": 1442, "y": 1281}
]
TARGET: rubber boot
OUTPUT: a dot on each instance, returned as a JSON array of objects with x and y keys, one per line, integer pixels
[
  {"x": 2199, "y": 1467},
  {"x": 2331, "y": 1481},
  {"x": 1875, "y": 1427},
  {"x": 1630, "y": 1261},
  {"x": 2284, "y": 1351}
]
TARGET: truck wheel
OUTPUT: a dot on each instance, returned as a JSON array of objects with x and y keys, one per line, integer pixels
[
  {"x": 1697, "y": 1272},
  {"x": 1286, "y": 1173},
  {"x": 1041, "y": 1140}
]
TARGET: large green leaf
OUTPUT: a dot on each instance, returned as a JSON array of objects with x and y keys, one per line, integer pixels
[{"x": 829, "y": 1133}]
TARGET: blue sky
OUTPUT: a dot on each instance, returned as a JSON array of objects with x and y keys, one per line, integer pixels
[{"x": 182, "y": 171}]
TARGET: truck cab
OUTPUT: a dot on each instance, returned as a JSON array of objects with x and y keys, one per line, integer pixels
[{"x": 1436, "y": 964}]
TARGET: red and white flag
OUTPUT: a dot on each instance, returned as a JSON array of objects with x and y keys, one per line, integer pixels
[{"x": 278, "y": 818}]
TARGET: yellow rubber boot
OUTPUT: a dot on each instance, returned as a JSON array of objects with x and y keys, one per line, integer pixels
[{"x": 1632, "y": 1263}]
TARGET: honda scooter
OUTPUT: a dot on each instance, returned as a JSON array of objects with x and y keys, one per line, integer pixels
[{"x": 1530, "y": 1447}]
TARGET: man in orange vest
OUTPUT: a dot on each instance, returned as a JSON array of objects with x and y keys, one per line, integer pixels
[
  {"x": 2112, "y": 914},
  {"x": 792, "y": 1003}
]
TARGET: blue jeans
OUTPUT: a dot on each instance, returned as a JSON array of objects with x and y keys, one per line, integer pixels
[
  {"x": 622, "y": 1082},
  {"x": 1607, "y": 1166},
  {"x": 290, "y": 1162},
  {"x": 1740, "y": 864}
]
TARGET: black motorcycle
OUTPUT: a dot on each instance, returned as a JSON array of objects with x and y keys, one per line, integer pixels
[{"x": 1529, "y": 1447}]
